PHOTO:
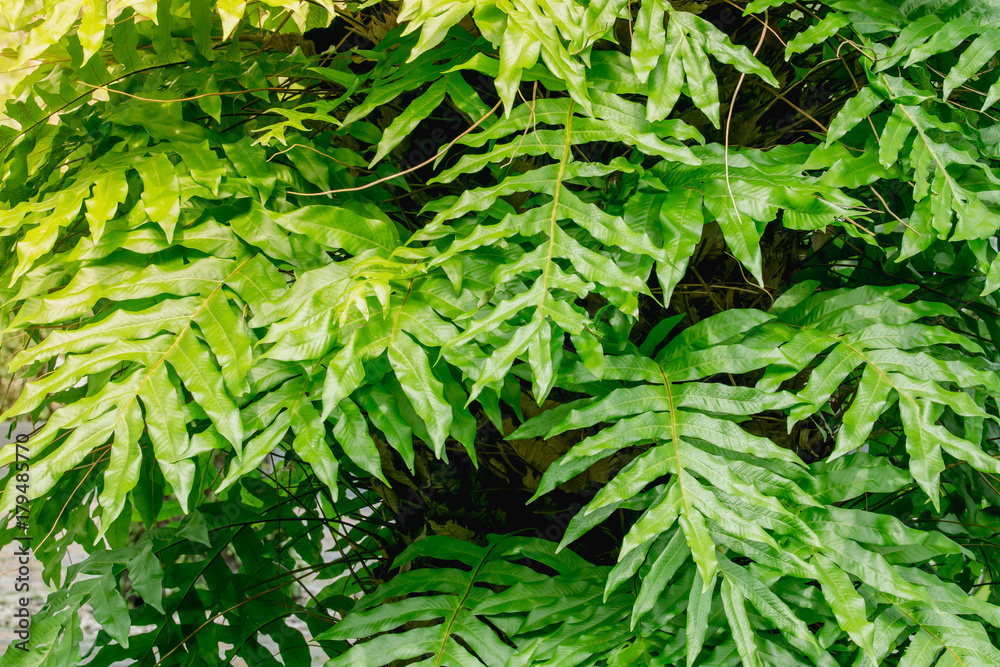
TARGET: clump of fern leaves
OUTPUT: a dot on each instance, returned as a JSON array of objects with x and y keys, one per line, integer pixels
[{"x": 724, "y": 286}]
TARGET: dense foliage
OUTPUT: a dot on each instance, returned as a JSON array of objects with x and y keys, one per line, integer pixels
[{"x": 586, "y": 332}]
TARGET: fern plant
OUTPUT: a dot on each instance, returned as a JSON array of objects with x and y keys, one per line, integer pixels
[{"x": 504, "y": 333}]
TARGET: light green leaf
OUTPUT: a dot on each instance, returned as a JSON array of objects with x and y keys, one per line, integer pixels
[
  {"x": 169, "y": 315},
  {"x": 425, "y": 392},
  {"x": 719, "y": 45},
  {"x": 92, "y": 27},
  {"x": 385, "y": 415},
  {"x": 201, "y": 376},
  {"x": 402, "y": 126},
  {"x": 146, "y": 574},
  {"x": 847, "y": 605},
  {"x": 699, "y": 607},
  {"x": 355, "y": 229},
  {"x": 681, "y": 219},
  {"x": 109, "y": 607},
  {"x": 736, "y": 613},
  {"x": 226, "y": 335},
  {"x": 857, "y": 108},
  {"x": 922, "y": 651},
  {"x": 663, "y": 569},
  {"x": 310, "y": 442},
  {"x": 774, "y": 609},
  {"x": 81, "y": 442},
  {"x": 351, "y": 431},
  {"x": 122, "y": 472},
  {"x": 926, "y": 462},
  {"x": 648, "y": 38},
  {"x": 698, "y": 538},
  {"x": 256, "y": 450},
  {"x": 865, "y": 410},
  {"x": 982, "y": 49},
  {"x": 231, "y": 12},
  {"x": 110, "y": 190},
  {"x": 828, "y": 26},
  {"x": 868, "y": 566},
  {"x": 540, "y": 359},
  {"x": 993, "y": 277},
  {"x": 160, "y": 191}
]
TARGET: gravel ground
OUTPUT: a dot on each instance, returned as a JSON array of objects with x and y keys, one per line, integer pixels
[{"x": 9, "y": 597}]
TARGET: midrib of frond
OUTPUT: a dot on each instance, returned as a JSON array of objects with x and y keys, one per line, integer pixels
[
  {"x": 676, "y": 443},
  {"x": 920, "y": 625},
  {"x": 553, "y": 219},
  {"x": 461, "y": 603},
  {"x": 882, "y": 374},
  {"x": 941, "y": 166}
]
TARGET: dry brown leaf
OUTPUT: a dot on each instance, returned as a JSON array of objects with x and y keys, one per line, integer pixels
[{"x": 452, "y": 529}]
